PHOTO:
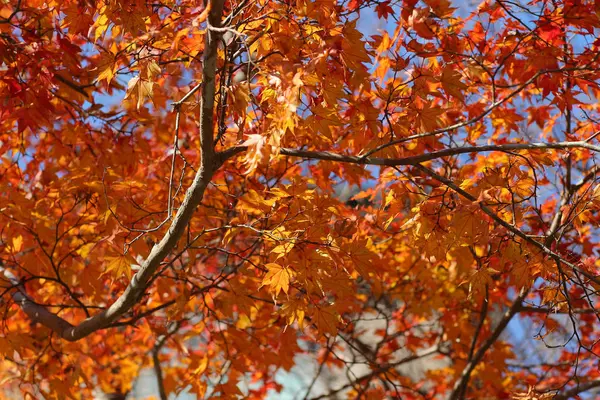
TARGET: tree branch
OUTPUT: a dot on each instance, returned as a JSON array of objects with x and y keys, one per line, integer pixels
[
  {"x": 571, "y": 393},
  {"x": 513, "y": 229},
  {"x": 210, "y": 162},
  {"x": 545, "y": 310},
  {"x": 413, "y": 160},
  {"x": 487, "y": 111},
  {"x": 380, "y": 370},
  {"x": 460, "y": 386},
  {"x": 156, "y": 360}
]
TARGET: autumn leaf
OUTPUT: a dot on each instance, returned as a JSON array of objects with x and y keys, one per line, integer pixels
[
  {"x": 294, "y": 310},
  {"x": 138, "y": 90},
  {"x": 198, "y": 364},
  {"x": 353, "y": 4},
  {"x": 120, "y": 265},
  {"x": 17, "y": 243},
  {"x": 481, "y": 278},
  {"x": 256, "y": 151},
  {"x": 429, "y": 118},
  {"x": 383, "y": 9},
  {"x": 405, "y": 187},
  {"x": 203, "y": 15},
  {"x": 451, "y": 83},
  {"x": 107, "y": 67},
  {"x": 326, "y": 320},
  {"x": 133, "y": 20},
  {"x": 277, "y": 278}
]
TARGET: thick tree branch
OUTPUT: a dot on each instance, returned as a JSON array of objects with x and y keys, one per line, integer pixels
[{"x": 210, "y": 162}]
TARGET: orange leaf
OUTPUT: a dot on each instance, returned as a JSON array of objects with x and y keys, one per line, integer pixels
[
  {"x": 120, "y": 265},
  {"x": 452, "y": 84},
  {"x": 326, "y": 320},
  {"x": 17, "y": 243},
  {"x": 278, "y": 278}
]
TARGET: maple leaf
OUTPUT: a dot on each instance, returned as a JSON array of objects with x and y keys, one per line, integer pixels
[
  {"x": 294, "y": 310},
  {"x": 353, "y": 5},
  {"x": 107, "y": 68},
  {"x": 383, "y": 9},
  {"x": 78, "y": 19},
  {"x": 451, "y": 83},
  {"x": 288, "y": 348},
  {"x": 120, "y": 265},
  {"x": 278, "y": 278},
  {"x": 481, "y": 278},
  {"x": 133, "y": 21},
  {"x": 326, "y": 320},
  {"x": 429, "y": 118}
]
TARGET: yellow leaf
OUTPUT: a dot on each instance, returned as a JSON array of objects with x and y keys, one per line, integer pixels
[
  {"x": 278, "y": 278},
  {"x": 84, "y": 250},
  {"x": 120, "y": 265},
  {"x": 101, "y": 24},
  {"x": 199, "y": 388},
  {"x": 203, "y": 16},
  {"x": 139, "y": 89},
  {"x": 283, "y": 249},
  {"x": 254, "y": 202},
  {"x": 17, "y": 243},
  {"x": 198, "y": 364},
  {"x": 106, "y": 67},
  {"x": 294, "y": 310},
  {"x": 153, "y": 69}
]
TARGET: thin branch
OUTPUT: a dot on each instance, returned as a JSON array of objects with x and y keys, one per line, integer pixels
[
  {"x": 484, "y": 311},
  {"x": 378, "y": 371},
  {"x": 487, "y": 111},
  {"x": 513, "y": 229},
  {"x": 413, "y": 160},
  {"x": 545, "y": 310},
  {"x": 580, "y": 388},
  {"x": 460, "y": 386},
  {"x": 156, "y": 361}
]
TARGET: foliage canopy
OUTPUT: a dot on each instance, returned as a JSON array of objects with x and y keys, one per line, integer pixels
[{"x": 169, "y": 197}]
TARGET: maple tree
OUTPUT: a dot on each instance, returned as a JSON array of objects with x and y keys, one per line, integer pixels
[{"x": 169, "y": 197}]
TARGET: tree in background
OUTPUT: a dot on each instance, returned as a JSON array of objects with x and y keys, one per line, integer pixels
[{"x": 167, "y": 197}]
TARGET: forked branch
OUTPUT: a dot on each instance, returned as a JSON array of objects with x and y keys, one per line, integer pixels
[{"x": 210, "y": 162}]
